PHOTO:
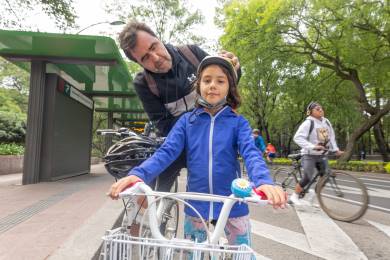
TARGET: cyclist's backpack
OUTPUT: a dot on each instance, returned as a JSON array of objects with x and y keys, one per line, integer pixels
[
  {"x": 187, "y": 53},
  {"x": 312, "y": 127}
]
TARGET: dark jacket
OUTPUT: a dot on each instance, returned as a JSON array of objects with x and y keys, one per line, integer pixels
[
  {"x": 174, "y": 88},
  {"x": 212, "y": 145}
]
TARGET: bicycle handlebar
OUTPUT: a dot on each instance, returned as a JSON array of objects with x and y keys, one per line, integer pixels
[
  {"x": 121, "y": 132},
  {"x": 141, "y": 188}
]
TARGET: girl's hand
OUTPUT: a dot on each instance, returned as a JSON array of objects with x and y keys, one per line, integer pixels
[
  {"x": 276, "y": 196},
  {"x": 120, "y": 185}
]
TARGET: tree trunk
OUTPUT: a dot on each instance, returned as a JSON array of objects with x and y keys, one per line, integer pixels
[
  {"x": 380, "y": 141},
  {"x": 366, "y": 125}
]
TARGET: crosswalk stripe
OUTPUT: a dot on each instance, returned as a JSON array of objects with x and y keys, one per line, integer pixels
[
  {"x": 282, "y": 235},
  {"x": 261, "y": 257},
  {"x": 325, "y": 237},
  {"x": 384, "y": 228},
  {"x": 374, "y": 179}
]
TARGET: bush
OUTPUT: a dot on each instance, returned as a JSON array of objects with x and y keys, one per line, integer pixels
[
  {"x": 387, "y": 167},
  {"x": 281, "y": 161},
  {"x": 360, "y": 166},
  {"x": 11, "y": 149},
  {"x": 12, "y": 127}
]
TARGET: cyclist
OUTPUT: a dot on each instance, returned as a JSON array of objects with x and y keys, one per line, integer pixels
[
  {"x": 164, "y": 87},
  {"x": 212, "y": 157},
  {"x": 259, "y": 141},
  {"x": 315, "y": 136}
]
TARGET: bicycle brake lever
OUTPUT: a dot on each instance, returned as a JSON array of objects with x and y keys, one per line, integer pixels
[{"x": 261, "y": 194}]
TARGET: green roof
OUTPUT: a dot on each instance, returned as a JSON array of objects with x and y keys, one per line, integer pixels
[{"x": 93, "y": 64}]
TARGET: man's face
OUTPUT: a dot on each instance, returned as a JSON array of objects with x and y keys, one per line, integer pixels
[
  {"x": 151, "y": 54},
  {"x": 317, "y": 112}
]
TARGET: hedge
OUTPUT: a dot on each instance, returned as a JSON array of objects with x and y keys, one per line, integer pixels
[
  {"x": 11, "y": 149},
  {"x": 359, "y": 166}
]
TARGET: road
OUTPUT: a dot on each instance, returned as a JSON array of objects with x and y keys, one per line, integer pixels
[{"x": 306, "y": 232}]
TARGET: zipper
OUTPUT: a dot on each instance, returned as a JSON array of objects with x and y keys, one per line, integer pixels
[
  {"x": 212, "y": 123},
  {"x": 211, "y": 210}
]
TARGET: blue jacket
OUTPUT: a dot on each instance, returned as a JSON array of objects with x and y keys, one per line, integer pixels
[
  {"x": 259, "y": 142},
  {"x": 212, "y": 144}
]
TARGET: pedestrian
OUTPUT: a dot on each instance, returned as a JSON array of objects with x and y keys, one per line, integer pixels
[
  {"x": 212, "y": 135},
  {"x": 270, "y": 151},
  {"x": 165, "y": 85},
  {"x": 316, "y": 137},
  {"x": 259, "y": 141}
]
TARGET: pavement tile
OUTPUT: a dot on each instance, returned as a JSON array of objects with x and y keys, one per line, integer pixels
[{"x": 57, "y": 211}]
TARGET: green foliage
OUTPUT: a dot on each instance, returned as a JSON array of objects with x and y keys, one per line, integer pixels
[
  {"x": 13, "y": 77},
  {"x": 387, "y": 167},
  {"x": 359, "y": 166},
  {"x": 13, "y": 115},
  {"x": 172, "y": 20},
  {"x": 12, "y": 127},
  {"x": 281, "y": 161},
  {"x": 98, "y": 141},
  {"x": 12, "y": 13},
  {"x": 13, "y": 101},
  {"x": 296, "y": 51},
  {"x": 11, "y": 149}
]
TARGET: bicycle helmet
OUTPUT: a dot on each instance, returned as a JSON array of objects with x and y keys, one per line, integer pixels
[{"x": 128, "y": 153}]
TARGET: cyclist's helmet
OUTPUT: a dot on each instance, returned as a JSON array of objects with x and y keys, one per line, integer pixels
[
  {"x": 255, "y": 131},
  {"x": 128, "y": 153},
  {"x": 311, "y": 106}
]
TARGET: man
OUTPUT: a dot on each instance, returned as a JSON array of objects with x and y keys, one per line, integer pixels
[
  {"x": 315, "y": 136},
  {"x": 165, "y": 85}
]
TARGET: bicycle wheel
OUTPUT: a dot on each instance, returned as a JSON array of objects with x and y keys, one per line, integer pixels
[
  {"x": 342, "y": 196},
  {"x": 285, "y": 177}
]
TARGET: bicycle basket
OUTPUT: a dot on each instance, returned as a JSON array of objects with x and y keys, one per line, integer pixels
[{"x": 122, "y": 246}]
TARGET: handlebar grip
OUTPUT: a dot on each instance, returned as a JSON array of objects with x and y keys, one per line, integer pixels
[
  {"x": 131, "y": 188},
  {"x": 261, "y": 194}
]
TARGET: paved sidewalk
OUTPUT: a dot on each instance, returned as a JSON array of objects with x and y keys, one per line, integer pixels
[{"x": 55, "y": 220}]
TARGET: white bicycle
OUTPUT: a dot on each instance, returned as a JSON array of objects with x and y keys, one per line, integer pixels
[{"x": 120, "y": 244}]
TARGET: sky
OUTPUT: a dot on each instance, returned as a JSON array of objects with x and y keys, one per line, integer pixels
[{"x": 92, "y": 11}]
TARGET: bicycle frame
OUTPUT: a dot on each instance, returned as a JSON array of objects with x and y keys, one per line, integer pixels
[{"x": 141, "y": 188}]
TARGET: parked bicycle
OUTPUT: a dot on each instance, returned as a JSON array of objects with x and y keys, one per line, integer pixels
[
  {"x": 119, "y": 244},
  {"x": 341, "y": 195},
  {"x": 129, "y": 151}
]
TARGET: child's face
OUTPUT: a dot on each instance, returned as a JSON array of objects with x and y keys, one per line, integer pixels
[{"x": 214, "y": 84}]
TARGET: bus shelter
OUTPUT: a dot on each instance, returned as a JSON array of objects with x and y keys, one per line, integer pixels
[{"x": 71, "y": 76}]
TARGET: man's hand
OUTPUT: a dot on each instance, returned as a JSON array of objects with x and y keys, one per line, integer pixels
[
  {"x": 276, "y": 196},
  {"x": 339, "y": 153},
  {"x": 122, "y": 184},
  {"x": 232, "y": 57},
  {"x": 319, "y": 147}
]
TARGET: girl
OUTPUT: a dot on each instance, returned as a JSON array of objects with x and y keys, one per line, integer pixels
[{"x": 212, "y": 136}]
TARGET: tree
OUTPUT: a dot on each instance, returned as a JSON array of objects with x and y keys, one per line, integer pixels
[
  {"x": 13, "y": 107},
  {"x": 172, "y": 20},
  {"x": 348, "y": 40},
  {"x": 13, "y": 77},
  {"x": 12, "y": 13}
]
